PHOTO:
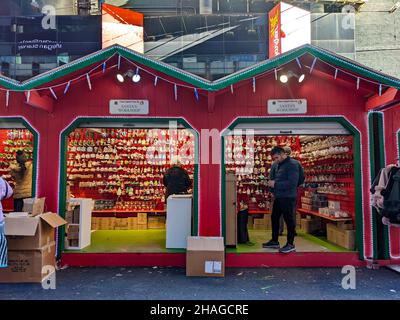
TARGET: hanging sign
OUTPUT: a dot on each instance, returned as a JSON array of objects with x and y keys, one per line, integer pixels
[
  {"x": 287, "y": 106},
  {"x": 129, "y": 106}
]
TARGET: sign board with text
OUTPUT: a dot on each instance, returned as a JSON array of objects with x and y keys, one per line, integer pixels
[
  {"x": 140, "y": 107},
  {"x": 287, "y": 106}
]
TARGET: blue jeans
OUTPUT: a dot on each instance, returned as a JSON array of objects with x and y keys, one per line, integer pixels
[{"x": 3, "y": 247}]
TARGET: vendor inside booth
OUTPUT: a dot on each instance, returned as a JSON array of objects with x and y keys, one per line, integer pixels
[
  {"x": 120, "y": 169},
  {"x": 17, "y": 162},
  {"x": 326, "y": 201}
]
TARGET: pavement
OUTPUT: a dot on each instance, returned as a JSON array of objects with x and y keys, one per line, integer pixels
[{"x": 238, "y": 284}]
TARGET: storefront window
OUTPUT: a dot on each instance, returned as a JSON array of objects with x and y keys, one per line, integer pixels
[
  {"x": 122, "y": 171},
  {"x": 12, "y": 141},
  {"x": 326, "y": 199}
]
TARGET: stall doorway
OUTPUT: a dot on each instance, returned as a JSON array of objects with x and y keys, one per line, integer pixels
[
  {"x": 328, "y": 203},
  {"x": 120, "y": 166},
  {"x": 17, "y": 135}
]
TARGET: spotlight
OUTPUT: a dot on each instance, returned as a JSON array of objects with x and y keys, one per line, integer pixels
[
  {"x": 136, "y": 78},
  {"x": 120, "y": 77},
  {"x": 283, "y": 78}
]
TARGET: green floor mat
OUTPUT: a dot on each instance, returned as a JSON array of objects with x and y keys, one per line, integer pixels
[
  {"x": 304, "y": 243},
  {"x": 153, "y": 241}
]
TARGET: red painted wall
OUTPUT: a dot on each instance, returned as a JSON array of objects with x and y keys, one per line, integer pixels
[
  {"x": 326, "y": 97},
  {"x": 392, "y": 126}
]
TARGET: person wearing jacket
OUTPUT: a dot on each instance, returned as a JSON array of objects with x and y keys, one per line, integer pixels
[
  {"x": 5, "y": 193},
  {"x": 176, "y": 180},
  {"x": 21, "y": 171},
  {"x": 272, "y": 173},
  {"x": 284, "y": 187}
]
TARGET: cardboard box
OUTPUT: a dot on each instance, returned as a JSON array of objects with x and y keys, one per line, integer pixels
[
  {"x": 155, "y": 223},
  {"x": 310, "y": 225},
  {"x": 108, "y": 223},
  {"x": 346, "y": 225},
  {"x": 142, "y": 218},
  {"x": 205, "y": 256},
  {"x": 250, "y": 222},
  {"x": 34, "y": 206},
  {"x": 132, "y": 223},
  {"x": 259, "y": 221},
  {"x": 306, "y": 206},
  {"x": 341, "y": 237},
  {"x": 29, "y": 265},
  {"x": 298, "y": 220},
  {"x": 309, "y": 193},
  {"x": 142, "y": 227},
  {"x": 31, "y": 233},
  {"x": 121, "y": 224},
  {"x": 95, "y": 223},
  {"x": 306, "y": 200}
]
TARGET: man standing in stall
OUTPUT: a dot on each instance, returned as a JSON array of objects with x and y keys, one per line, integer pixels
[
  {"x": 176, "y": 180},
  {"x": 274, "y": 166},
  {"x": 284, "y": 186}
]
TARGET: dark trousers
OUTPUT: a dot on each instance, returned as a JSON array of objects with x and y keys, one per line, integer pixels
[
  {"x": 18, "y": 205},
  {"x": 243, "y": 232},
  {"x": 284, "y": 207}
]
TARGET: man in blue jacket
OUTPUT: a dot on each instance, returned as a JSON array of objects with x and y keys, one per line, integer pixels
[{"x": 284, "y": 187}]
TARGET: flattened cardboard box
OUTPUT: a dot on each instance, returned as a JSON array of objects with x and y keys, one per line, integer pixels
[
  {"x": 142, "y": 218},
  {"x": 205, "y": 257},
  {"x": 34, "y": 206},
  {"x": 31, "y": 233},
  {"x": 28, "y": 265}
]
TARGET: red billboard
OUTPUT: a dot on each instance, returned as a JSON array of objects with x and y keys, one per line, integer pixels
[{"x": 274, "y": 31}]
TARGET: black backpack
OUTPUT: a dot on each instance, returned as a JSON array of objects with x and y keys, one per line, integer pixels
[{"x": 302, "y": 177}]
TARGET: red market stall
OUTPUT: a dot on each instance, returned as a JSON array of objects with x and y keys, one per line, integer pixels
[{"x": 90, "y": 123}]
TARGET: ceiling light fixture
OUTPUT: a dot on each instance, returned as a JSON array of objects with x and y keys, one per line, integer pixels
[
  {"x": 134, "y": 76},
  {"x": 284, "y": 78},
  {"x": 120, "y": 77}
]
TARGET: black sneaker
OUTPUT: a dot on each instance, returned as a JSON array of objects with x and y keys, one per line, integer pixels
[
  {"x": 271, "y": 245},
  {"x": 287, "y": 248}
]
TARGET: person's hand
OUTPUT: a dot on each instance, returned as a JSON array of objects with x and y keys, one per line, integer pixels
[{"x": 271, "y": 183}]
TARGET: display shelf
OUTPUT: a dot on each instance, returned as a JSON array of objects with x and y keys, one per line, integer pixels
[
  {"x": 112, "y": 164},
  {"x": 13, "y": 140},
  {"x": 260, "y": 212},
  {"x": 339, "y": 166},
  {"x": 83, "y": 232},
  {"x": 129, "y": 211},
  {"x": 314, "y": 213}
]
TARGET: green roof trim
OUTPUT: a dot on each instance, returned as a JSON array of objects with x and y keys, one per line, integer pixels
[{"x": 194, "y": 80}]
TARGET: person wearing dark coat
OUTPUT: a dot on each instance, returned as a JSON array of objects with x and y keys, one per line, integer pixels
[
  {"x": 284, "y": 187},
  {"x": 176, "y": 181}
]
